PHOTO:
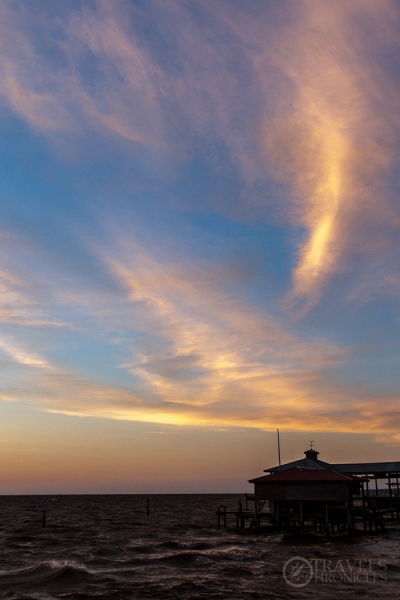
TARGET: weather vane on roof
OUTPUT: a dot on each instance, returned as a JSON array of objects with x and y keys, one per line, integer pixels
[{"x": 312, "y": 444}]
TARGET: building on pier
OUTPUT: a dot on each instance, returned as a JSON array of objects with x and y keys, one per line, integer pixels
[
  {"x": 298, "y": 495},
  {"x": 315, "y": 492}
]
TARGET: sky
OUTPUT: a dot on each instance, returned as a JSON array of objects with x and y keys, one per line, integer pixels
[{"x": 199, "y": 224}]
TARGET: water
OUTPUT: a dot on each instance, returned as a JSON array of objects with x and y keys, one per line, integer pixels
[{"x": 105, "y": 547}]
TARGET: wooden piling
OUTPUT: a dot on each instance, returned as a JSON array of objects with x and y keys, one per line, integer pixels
[
  {"x": 349, "y": 524},
  {"x": 301, "y": 516},
  {"x": 148, "y": 507},
  {"x": 327, "y": 519},
  {"x": 44, "y": 519},
  {"x": 391, "y": 496}
]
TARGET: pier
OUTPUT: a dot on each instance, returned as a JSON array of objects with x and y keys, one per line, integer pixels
[
  {"x": 313, "y": 495},
  {"x": 365, "y": 516},
  {"x": 246, "y": 518}
]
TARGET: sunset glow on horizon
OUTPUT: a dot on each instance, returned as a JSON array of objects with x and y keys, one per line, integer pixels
[{"x": 200, "y": 240}]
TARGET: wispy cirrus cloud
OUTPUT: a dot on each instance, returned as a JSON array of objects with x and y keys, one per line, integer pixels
[
  {"x": 96, "y": 77},
  {"x": 334, "y": 138},
  {"x": 193, "y": 354},
  {"x": 161, "y": 91},
  {"x": 21, "y": 303},
  {"x": 22, "y": 356},
  {"x": 303, "y": 93},
  {"x": 205, "y": 350}
]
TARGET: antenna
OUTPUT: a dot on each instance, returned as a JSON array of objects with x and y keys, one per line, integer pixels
[{"x": 279, "y": 449}]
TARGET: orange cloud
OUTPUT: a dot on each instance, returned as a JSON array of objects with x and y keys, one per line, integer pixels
[
  {"x": 205, "y": 358},
  {"x": 332, "y": 137}
]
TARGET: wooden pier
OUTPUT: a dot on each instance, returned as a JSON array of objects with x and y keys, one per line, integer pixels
[
  {"x": 362, "y": 517},
  {"x": 310, "y": 494},
  {"x": 242, "y": 517}
]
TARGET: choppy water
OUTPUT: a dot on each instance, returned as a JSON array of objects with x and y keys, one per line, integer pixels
[{"x": 105, "y": 547}]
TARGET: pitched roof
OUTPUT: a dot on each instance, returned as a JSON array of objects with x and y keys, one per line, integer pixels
[
  {"x": 312, "y": 462},
  {"x": 304, "y": 463},
  {"x": 297, "y": 474},
  {"x": 353, "y": 468}
]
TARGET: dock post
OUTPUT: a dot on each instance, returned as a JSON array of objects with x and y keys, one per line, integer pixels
[
  {"x": 348, "y": 518},
  {"x": 391, "y": 496},
  {"x": 44, "y": 519},
  {"x": 363, "y": 509},
  {"x": 327, "y": 519},
  {"x": 301, "y": 516},
  {"x": 278, "y": 525},
  {"x": 148, "y": 507},
  {"x": 219, "y": 517},
  {"x": 375, "y": 517}
]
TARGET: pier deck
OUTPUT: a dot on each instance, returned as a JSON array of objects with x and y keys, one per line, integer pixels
[{"x": 363, "y": 516}]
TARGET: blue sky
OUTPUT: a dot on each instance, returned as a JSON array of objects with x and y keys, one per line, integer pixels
[{"x": 199, "y": 223}]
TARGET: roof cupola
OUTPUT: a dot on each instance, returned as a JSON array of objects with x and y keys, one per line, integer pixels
[{"x": 311, "y": 453}]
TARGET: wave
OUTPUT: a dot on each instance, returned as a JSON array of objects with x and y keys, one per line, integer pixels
[
  {"x": 47, "y": 575},
  {"x": 186, "y": 557}
]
